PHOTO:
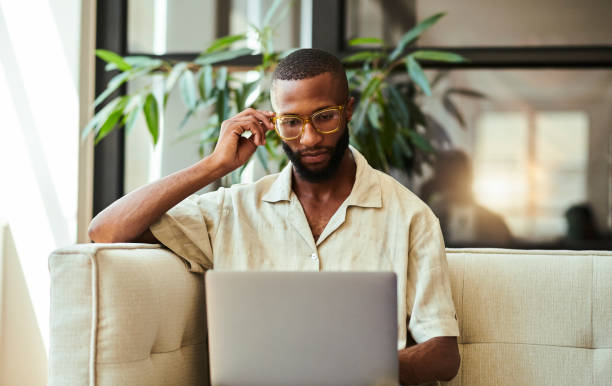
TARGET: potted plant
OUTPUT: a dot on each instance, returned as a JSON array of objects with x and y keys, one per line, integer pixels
[{"x": 388, "y": 125}]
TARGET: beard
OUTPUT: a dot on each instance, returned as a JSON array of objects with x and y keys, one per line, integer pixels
[{"x": 325, "y": 173}]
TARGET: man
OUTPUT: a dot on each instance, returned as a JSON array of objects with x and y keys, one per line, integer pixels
[{"x": 327, "y": 210}]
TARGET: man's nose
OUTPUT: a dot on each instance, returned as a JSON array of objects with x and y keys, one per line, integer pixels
[{"x": 310, "y": 137}]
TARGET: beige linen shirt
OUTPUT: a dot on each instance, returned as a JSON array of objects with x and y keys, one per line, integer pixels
[{"x": 381, "y": 226}]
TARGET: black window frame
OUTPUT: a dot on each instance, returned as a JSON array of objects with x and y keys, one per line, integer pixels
[{"x": 328, "y": 33}]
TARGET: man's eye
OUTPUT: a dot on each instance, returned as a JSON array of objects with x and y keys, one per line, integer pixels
[
  {"x": 325, "y": 116},
  {"x": 292, "y": 122}
]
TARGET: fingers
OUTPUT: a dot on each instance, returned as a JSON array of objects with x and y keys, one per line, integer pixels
[
  {"x": 262, "y": 116},
  {"x": 256, "y": 121},
  {"x": 253, "y": 125}
]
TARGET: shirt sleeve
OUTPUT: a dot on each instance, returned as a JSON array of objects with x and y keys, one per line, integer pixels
[
  {"x": 188, "y": 228},
  {"x": 429, "y": 299}
]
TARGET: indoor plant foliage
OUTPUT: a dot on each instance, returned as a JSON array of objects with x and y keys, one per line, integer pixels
[{"x": 388, "y": 126}]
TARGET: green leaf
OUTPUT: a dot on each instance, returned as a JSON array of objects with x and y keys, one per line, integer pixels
[
  {"x": 270, "y": 13},
  {"x": 401, "y": 141},
  {"x": 220, "y": 56},
  {"x": 112, "y": 119},
  {"x": 398, "y": 105},
  {"x": 222, "y": 78},
  {"x": 280, "y": 16},
  {"x": 130, "y": 119},
  {"x": 359, "y": 122},
  {"x": 371, "y": 87},
  {"x": 174, "y": 75},
  {"x": 185, "y": 119},
  {"x": 131, "y": 111},
  {"x": 210, "y": 134},
  {"x": 241, "y": 170},
  {"x": 100, "y": 117},
  {"x": 238, "y": 98},
  {"x": 416, "y": 114},
  {"x": 364, "y": 56},
  {"x": 111, "y": 57},
  {"x": 223, "y": 105},
  {"x": 224, "y": 42},
  {"x": 186, "y": 135},
  {"x": 413, "y": 34},
  {"x": 188, "y": 90},
  {"x": 419, "y": 141},
  {"x": 134, "y": 101},
  {"x": 151, "y": 112},
  {"x": 119, "y": 79},
  {"x": 417, "y": 75},
  {"x": 361, "y": 41},
  {"x": 374, "y": 113},
  {"x": 113, "y": 85},
  {"x": 136, "y": 62},
  {"x": 247, "y": 90},
  {"x": 261, "y": 156},
  {"x": 381, "y": 154},
  {"x": 206, "y": 81},
  {"x": 438, "y": 56}
]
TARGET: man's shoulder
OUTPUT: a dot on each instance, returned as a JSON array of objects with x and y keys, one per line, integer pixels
[
  {"x": 396, "y": 194},
  {"x": 251, "y": 190}
]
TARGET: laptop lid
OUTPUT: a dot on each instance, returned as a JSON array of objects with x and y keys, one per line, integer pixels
[{"x": 302, "y": 328}]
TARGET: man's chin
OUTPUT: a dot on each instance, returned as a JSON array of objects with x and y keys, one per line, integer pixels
[{"x": 315, "y": 168}]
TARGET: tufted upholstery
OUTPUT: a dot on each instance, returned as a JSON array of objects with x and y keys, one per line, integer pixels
[
  {"x": 533, "y": 317},
  {"x": 125, "y": 314},
  {"x": 131, "y": 314}
]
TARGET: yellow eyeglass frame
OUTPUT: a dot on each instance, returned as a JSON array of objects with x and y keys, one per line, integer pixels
[{"x": 306, "y": 119}]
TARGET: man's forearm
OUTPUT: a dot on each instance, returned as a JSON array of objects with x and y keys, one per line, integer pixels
[
  {"x": 130, "y": 216},
  {"x": 434, "y": 360}
]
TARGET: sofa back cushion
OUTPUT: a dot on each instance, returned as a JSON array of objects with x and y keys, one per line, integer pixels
[
  {"x": 126, "y": 314},
  {"x": 533, "y": 317}
]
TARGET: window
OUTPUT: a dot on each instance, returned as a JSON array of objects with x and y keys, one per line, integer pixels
[
  {"x": 478, "y": 23},
  {"x": 537, "y": 147},
  {"x": 537, "y": 151},
  {"x": 532, "y": 167}
]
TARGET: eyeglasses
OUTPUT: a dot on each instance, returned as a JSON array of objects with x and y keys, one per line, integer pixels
[{"x": 291, "y": 126}]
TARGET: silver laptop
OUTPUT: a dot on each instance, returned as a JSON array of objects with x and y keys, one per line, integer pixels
[{"x": 302, "y": 328}]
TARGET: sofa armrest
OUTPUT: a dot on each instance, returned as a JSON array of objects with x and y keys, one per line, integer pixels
[{"x": 125, "y": 314}]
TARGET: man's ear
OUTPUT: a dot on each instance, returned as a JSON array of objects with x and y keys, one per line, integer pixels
[{"x": 349, "y": 109}]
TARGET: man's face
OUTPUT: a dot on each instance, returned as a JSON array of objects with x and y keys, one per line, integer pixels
[{"x": 315, "y": 156}]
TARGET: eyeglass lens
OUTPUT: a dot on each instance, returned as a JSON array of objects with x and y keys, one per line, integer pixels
[{"x": 325, "y": 121}]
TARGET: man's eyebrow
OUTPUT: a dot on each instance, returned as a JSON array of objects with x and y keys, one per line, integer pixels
[{"x": 318, "y": 109}]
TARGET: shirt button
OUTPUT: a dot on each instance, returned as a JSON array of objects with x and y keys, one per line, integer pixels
[{"x": 314, "y": 256}]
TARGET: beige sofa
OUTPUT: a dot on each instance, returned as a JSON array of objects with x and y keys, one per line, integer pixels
[{"x": 131, "y": 314}]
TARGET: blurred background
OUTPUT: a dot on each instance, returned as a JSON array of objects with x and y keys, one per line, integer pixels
[{"x": 529, "y": 165}]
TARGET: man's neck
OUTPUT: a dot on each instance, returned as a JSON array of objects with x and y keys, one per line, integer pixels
[{"x": 338, "y": 186}]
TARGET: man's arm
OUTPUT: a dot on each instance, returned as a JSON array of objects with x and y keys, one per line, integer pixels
[
  {"x": 128, "y": 219},
  {"x": 434, "y": 360}
]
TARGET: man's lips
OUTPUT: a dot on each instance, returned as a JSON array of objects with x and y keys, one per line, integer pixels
[{"x": 314, "y": 157}]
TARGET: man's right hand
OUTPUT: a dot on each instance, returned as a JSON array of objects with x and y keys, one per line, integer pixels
[
  {"x": 129, "y": 218},
  {"x": 233, "y": 149}
]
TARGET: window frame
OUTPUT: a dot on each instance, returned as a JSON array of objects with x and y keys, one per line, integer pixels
[{"x": 328, "y": 33}]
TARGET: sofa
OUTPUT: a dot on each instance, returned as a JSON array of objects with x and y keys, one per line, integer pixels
[{"x": 132, "y": 314}]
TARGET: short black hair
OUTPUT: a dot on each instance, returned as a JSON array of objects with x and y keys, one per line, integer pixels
[{"x": 307, "y": 63}]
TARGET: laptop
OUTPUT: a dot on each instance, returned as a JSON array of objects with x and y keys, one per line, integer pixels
[{"x": 302, "y": 328}]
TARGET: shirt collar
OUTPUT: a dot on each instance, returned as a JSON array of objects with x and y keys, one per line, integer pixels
[{"x": 366, "y": 191}]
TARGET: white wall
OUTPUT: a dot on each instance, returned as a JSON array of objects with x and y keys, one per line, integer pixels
[
  {"x": 23, "y": 360},
  {"x": 40, "y": 62}
]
